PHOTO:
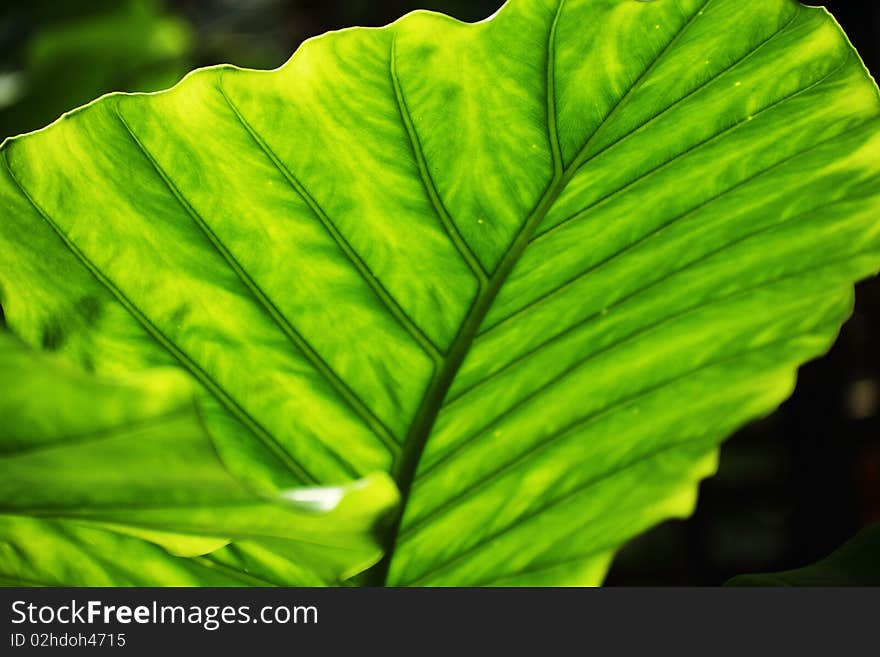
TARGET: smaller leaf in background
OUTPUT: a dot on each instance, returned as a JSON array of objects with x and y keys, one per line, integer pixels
[
  {"x": 62, "y": 553},
  {"x": 81, "y": 457},
  {"x": 855, "y": 563},
  {"x": 116, "y": 45}
]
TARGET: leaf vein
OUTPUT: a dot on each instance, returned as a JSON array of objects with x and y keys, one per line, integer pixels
[
  {"x": 348, "y": 395},
  {"x": 552, "y": 118},
  {"x": 235, "y": 409},
  {"x": 378, "y": 288},
  {"x": 427, "y": 180}
]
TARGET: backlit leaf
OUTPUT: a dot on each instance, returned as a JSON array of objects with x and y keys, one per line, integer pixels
[
  {"x": 90, "y": 466},
  {"x": 536, "y": 268}
]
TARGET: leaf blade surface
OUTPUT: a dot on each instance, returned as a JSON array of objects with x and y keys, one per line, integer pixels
[{"x": 536, "y": 267}]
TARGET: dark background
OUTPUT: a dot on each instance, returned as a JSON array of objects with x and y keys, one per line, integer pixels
[{"x": 790, "y": 488}]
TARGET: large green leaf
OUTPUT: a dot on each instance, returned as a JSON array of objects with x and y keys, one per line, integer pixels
[
  {"x": 855, "y": 563},
  {"x": 536, "y": 267},
  {"x": 85, "y": 460}
]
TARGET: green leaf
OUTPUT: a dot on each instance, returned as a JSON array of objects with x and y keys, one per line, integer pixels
[
  {"x": 85, "y": 459},
  {"x": 855, "y": 563},
  {"x": 536, "y": 267}
]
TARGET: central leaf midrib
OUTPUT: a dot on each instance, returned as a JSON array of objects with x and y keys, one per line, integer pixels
[{"x": 414, "y": 444}]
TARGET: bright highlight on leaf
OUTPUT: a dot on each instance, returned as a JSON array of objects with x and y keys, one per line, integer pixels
[{"x": 536, "y": 268}]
